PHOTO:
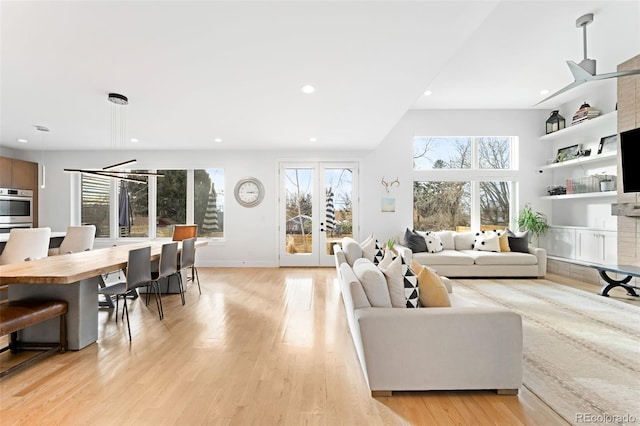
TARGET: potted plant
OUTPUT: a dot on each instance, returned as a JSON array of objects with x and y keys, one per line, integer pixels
[
  {"x": 390, "y": 243},
  {"x": 534, "y": 222}
]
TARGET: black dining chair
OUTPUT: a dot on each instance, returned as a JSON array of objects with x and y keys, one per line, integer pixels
[
  {"x": 138, "y": 275},
  {"x": 167, "y": 268},
  {"x": 188, "y": 259}
]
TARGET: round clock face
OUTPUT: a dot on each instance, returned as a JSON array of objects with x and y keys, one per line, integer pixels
[{"x": 249, "y": 192}]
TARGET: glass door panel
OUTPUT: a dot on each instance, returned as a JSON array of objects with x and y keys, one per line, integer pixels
[{"x": 297, "y": 242}]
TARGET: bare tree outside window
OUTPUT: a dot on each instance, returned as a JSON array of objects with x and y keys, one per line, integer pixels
[{"x": 447, "y": 203}]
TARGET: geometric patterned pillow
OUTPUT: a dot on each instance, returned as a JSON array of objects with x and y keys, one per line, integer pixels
[
  {"x": 411, "y": 291},
  {"x": 372, "y": 250}
]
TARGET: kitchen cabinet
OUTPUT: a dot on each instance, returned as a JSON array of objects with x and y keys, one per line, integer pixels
[{"x": 18, "y": 174}]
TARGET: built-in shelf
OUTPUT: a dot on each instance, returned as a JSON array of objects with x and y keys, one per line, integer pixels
[
  {"x": 608, "y": 119},
  {"x": 582, "y": 160},
  {"x": 581, "y": 195}
]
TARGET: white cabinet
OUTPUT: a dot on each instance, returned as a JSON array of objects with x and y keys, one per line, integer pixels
[
  {"x": 597, "y": 246},
  {"x": 581, "y": 244},
  {"x": 560, "y": 242}
]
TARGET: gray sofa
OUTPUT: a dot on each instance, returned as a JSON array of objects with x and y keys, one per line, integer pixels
[
  {"x": 464, "y": 346},
  {"x": 458, "y": 259}
]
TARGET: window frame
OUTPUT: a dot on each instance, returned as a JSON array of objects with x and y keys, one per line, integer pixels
[{"x": 475, "y": 175}]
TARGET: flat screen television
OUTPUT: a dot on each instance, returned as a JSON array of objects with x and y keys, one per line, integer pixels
[{"x": 630, "y": 153}]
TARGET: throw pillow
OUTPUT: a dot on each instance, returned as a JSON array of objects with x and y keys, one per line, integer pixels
[
  {"x": 414, "y": 241},
  {"x": 447, "y": 239},
  {"x": 386, "y": 259},
  {"x": 352, "y": 250},
  {"x": 372, "y": 250},
  {"x": 518, "y": 242},
  {"x": 486, "y": 242},
  {"x": 434, "y": 243},
  {"x": 411, "y": 289},
  {"x": 433, "y": 293},
  {"x": 464, "y": 240},
  {"x": 373, "y": 282},
  {"x": 503, "y": 239},
  {"x": 395, "y": 284}
]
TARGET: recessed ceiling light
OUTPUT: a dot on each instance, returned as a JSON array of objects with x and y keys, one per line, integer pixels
[
  {"x": 428, "y": 93},
  {"x": 308, "y": 89},
  {"x": 217, "y": 140},
  {"x": 134, "y": 140},
  {"x": 313, "y": 139},
  {"x": 22, "y": 140},
  {"x": 544, "y": 91}
]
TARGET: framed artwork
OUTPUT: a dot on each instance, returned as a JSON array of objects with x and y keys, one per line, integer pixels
[
  {"x": 388, "y": 205},
  {"x": 568, "y": 153},
  {"x": 608, "y": 143}
]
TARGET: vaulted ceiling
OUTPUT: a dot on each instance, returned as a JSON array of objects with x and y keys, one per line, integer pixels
[{"x": 197, "y": 71}]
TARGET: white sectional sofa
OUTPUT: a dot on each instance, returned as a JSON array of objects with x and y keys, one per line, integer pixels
[
  {"x": 464, "y": 346},
  {"x": 459, "y": 259}
]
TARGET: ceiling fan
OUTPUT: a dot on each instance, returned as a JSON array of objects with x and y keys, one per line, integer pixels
[{"x": 585, "y": 71}]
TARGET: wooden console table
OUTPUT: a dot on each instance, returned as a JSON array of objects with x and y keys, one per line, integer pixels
[
  {"x": 73, "y": 278},
  {"x": 629, "y": 270}
]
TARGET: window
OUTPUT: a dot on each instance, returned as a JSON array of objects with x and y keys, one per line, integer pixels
[
  {"x": 126, "y": 207},
  {"x": 171, "y": 201},
  {"x": 208, "y": 202},
  {"x": 491, "y": 152},
  {"x": 133, "y": 209},
  {"x": 94, "y": 204},
  {"x": 463, "y": 183},
  {"x": 441, "y": 153}
]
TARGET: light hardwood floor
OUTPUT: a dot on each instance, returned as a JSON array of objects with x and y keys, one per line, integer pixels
[{"x": 259, "y": 346}]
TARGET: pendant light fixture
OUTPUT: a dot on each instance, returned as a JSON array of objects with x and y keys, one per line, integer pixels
[
  {"x": 43, "y": 177},
  {"x": 118, "y": 138}
]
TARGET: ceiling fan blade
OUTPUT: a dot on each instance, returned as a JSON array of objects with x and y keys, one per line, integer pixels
[
  {"x": 614, "y": 74},
  {"x": 564, "y": 89},
  {"x": 579, "y": 73}
]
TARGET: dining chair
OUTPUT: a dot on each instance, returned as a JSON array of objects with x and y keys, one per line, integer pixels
[
  {"x": 182, "y": 232},
  {"x": 167, "y": 268},
  {"x": 25, "y": 244},
  {"x": 138, "y": 275},
  {"x": 77, "y": 239},
  {"x": 188, "y": 259}
]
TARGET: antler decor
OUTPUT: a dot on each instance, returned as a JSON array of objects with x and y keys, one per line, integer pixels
[{"x": 388, "y": 185}]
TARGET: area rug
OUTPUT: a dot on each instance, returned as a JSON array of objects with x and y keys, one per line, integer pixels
[{"x": 581, "y": 350}]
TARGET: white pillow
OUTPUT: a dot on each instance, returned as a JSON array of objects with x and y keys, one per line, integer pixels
[
  {"x": 352, "y": 250},
  {"x": 464, "y": 240},
  {"x": 487, "y": 242},
  {"x": 434, "y": 243},
  {"x": 447, "y": 239},
  {"x": 373, "y": 282},
  {"x": 393, "y": 274},
  {"x": 372, "y": 250},
  {"x": 387, "y": 259}
]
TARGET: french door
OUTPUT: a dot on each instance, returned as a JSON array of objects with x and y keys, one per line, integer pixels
[{"x": 318, "y": 206}]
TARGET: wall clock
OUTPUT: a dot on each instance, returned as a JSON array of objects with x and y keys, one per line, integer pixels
[{"x": 249, "y": 192}]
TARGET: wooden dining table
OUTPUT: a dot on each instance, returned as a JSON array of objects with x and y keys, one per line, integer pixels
[{"x": 74, "y": 278}]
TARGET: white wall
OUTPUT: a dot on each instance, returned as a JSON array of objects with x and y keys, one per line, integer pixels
[
  {"x": 251, "y": 234},
  {"x": 393, "y": 158}
]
